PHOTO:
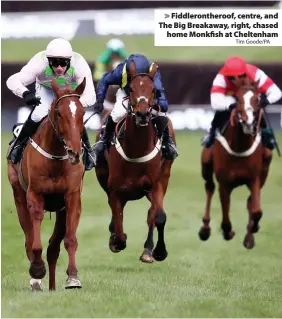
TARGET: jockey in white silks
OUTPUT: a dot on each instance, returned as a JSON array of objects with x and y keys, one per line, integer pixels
[{"x": 58, "y": 62}]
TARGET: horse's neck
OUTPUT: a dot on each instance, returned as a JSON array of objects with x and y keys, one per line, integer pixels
[
  {"x": 237, "y": 139},
  {"x": 49, "y": 140},
  {"x": 138, "y": 141}
]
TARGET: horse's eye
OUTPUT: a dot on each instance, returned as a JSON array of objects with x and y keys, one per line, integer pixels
[
  {"x": 59, "y": 115},
  {"x": 130, "y": 89}
]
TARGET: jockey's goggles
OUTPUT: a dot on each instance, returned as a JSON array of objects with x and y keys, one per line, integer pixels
[
  {"x": 230, "y": 78},
  {"x": 55, "y": 62}
]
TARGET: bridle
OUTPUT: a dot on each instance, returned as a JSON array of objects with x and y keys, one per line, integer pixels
[
  {"x": 141, "y": 99},
  {"x": 257, "y": 115},
  {"x": 56, "y": 111}
]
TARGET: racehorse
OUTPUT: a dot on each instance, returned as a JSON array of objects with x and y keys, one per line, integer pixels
[
  {"x": 49, "y": 177},
  {"x": 237, "y": 158},
  {"x": 134, "y": 168}
]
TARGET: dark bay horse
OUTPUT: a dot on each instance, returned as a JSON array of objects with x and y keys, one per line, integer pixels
[
  {"x": 237, "y": 158},
  {"x": 135, "y": 169},
  {"x": 49, "y": 177}
]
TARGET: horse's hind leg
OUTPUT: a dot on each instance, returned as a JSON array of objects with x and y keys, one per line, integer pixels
[
  {"x": 226, "y": 226},
  {"x": 53, "y": 250},
  {"x": 255, "y": 213},
  {"x": 207, "y": 174},
  {"x": 35, "y": 204}
]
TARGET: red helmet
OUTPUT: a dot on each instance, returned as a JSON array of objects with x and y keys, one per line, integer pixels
[{"x": 234, "y": 66}]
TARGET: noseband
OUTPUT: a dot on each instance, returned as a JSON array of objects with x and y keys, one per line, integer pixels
[
  {"x": 56, "y": 111},
  {"x": 140, "y": 99}
]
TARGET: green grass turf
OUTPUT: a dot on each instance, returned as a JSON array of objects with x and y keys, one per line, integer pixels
[
  {"x": 24, "y": 49},
  {"x": 198, "y": 279}
]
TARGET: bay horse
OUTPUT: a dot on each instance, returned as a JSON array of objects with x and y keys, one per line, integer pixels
[
  {"x": 49, "y": 177},
  {"x": 134, "y": 168},
  {"x": 237, "y": 158}
]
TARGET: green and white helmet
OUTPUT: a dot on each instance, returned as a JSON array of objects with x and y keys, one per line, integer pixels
[
  {"x": 115, "y": 45},
  {"x": 59, "y": 48}
]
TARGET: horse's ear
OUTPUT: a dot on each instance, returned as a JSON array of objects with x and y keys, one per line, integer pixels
[
  {"x": 80, "y": 89},
  {"x": 55, "y": 87},
  {"x": 256, "y": 83},
  {"x": 153, "y": 70},
  {"x": 132, "y": 70}
]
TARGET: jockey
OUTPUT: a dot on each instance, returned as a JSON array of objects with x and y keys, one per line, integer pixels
[
  {"x": 120, "y": 76},
  {"x": 110, "y": 58},
  {"x": 107, "y": 61},
  {"x": 68, "y": 68},
  {"x": 223, "y": 95}
]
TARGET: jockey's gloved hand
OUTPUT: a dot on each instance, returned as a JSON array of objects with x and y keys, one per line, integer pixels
[
  {"x": 232, "y": 106},
  {"x": 31, "y": 99},
  {"x": 98, "y": 106},
  {"x": 263, "y": 101}
]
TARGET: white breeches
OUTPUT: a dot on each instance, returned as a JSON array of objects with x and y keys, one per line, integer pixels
[
  {"x": 119, "y": 111},
  {"x": 41, "y": 110}
]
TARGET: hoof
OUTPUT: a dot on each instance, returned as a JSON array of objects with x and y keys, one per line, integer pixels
[
  {"x": 204, "y": 233},
  {"x": 229, "y": 235},
  {"x": 146, "y": 256},
  {"x": 249, "y": 241},
  {"x": 35, "y": 284},
  {"x": 37, "y": 271},
  {"x": 160, "y": 254},
  {"x": 73, "y": 283},
  {"x": 117, "y": 246}
]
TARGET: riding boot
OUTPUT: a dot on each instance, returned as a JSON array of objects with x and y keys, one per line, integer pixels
[
  {"x": 267, "y": 136},
  {"x": 219, "y": 118},
  {"x": 90, "y": 157},
  {"x": 105, "y": 138},
  {"x": 28, "y": 130},
  {"x": 168, "y": 145}
]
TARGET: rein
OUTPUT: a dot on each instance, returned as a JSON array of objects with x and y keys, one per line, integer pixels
[
  {"x": 38, "y": 148},
  {"x": 56, "y": 110}
]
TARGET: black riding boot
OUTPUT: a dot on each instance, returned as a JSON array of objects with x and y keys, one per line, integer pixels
[
  {"x": 28, "y": 130},
  {"x": 105, "y": 138},
  {"x": 90, "y": 157},
  {"x": 220, "y": 117},
  {"x": 168, "y": 145}
]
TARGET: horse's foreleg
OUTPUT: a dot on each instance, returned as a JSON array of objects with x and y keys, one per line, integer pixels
[
  {"x": 226, "y": 226},
  {"x": 255, "y": 212},
  {"x": 53, "y": 250},
  {"x": 118, "y": 238},
  {"x": 24, "y": 219},
  {"x": 207, "y": 174},
  {"x": 156, "y": 217},
  {"x": 22, "y": 211},
  {"x": 73, "y": 212},
  {"x": 35, "y": 205}
]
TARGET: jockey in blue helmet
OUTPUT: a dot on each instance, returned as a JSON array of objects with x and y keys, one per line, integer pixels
[{"x": 120, "y": 76}]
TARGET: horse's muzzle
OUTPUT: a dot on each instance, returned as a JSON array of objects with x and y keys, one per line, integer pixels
[
  {"x": 142, "y": 119},
  {"x": 74, "y": 157}
]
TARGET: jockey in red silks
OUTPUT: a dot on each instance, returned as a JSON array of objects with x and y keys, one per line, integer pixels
[{"x": 224, "y": 90}]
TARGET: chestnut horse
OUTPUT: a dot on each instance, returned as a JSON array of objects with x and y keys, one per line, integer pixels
[
  {"x": 49, "y": 177},
  {"x": 237, "y": 158},
  {"x": 134, "y": 168}
]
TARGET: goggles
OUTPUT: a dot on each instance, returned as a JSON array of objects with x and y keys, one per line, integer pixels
[{"x": 55, "y": 62}]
